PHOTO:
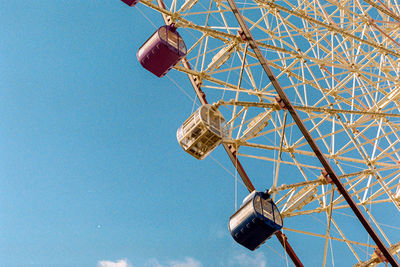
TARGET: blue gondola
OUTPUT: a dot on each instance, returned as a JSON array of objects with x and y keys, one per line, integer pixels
[{"x": 256, "y": 221}]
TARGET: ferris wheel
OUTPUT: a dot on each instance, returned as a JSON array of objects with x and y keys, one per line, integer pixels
[{"x": 310, "y": 89}]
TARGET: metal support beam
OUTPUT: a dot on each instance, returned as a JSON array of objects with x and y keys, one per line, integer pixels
[
  {"x": 285, "y": 244},
  {"x": 307, "y": 135}
]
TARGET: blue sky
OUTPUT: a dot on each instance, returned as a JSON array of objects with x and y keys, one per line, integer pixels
[{"x": 91, "y": 172}]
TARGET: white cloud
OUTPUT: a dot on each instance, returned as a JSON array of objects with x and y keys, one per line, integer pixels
[
  {"x": 255, "y": 260},
  {"x": 119, "y": 263},
  {"x": 187, "y": 262},
  {"x": 153, "y": 263}
]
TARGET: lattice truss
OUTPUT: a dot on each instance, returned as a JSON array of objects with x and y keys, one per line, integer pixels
[{"x": 339, "y": 63}]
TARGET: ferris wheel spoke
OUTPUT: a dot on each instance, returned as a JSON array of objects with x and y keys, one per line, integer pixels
[
  {"x": 348, "y": 243},
  {"x": 330, "y": 237},
  {"x": 374, "y": 259},
  {"x": 338, "y": 229},
  {"x": 378, "y": 193}
]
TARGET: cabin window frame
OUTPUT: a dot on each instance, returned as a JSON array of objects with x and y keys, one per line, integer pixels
[
  {"x": 209, "y": 116},
  {"x": 245, "y": 211},
  {"x": 171, "y": 35},
  {"x": 163, "y": 34},
  {"x": 278, "y": 215},
  {"x": 182, "y": 45},
  {"x": 166, "y": 37},
  {"x": 148, "y": 43}
]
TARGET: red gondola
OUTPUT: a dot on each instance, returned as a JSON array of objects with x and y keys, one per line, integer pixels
[
  {"x": 162, "y": 51},
  {"x": 130, "y": 2}
]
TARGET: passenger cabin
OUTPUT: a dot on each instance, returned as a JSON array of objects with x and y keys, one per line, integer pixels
[
  {"x": 256, "y": 221},
  {"x": 130, "y": 2},
  {"x": 162, "y": 51},
  {"x": 202, "y": 132}
]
